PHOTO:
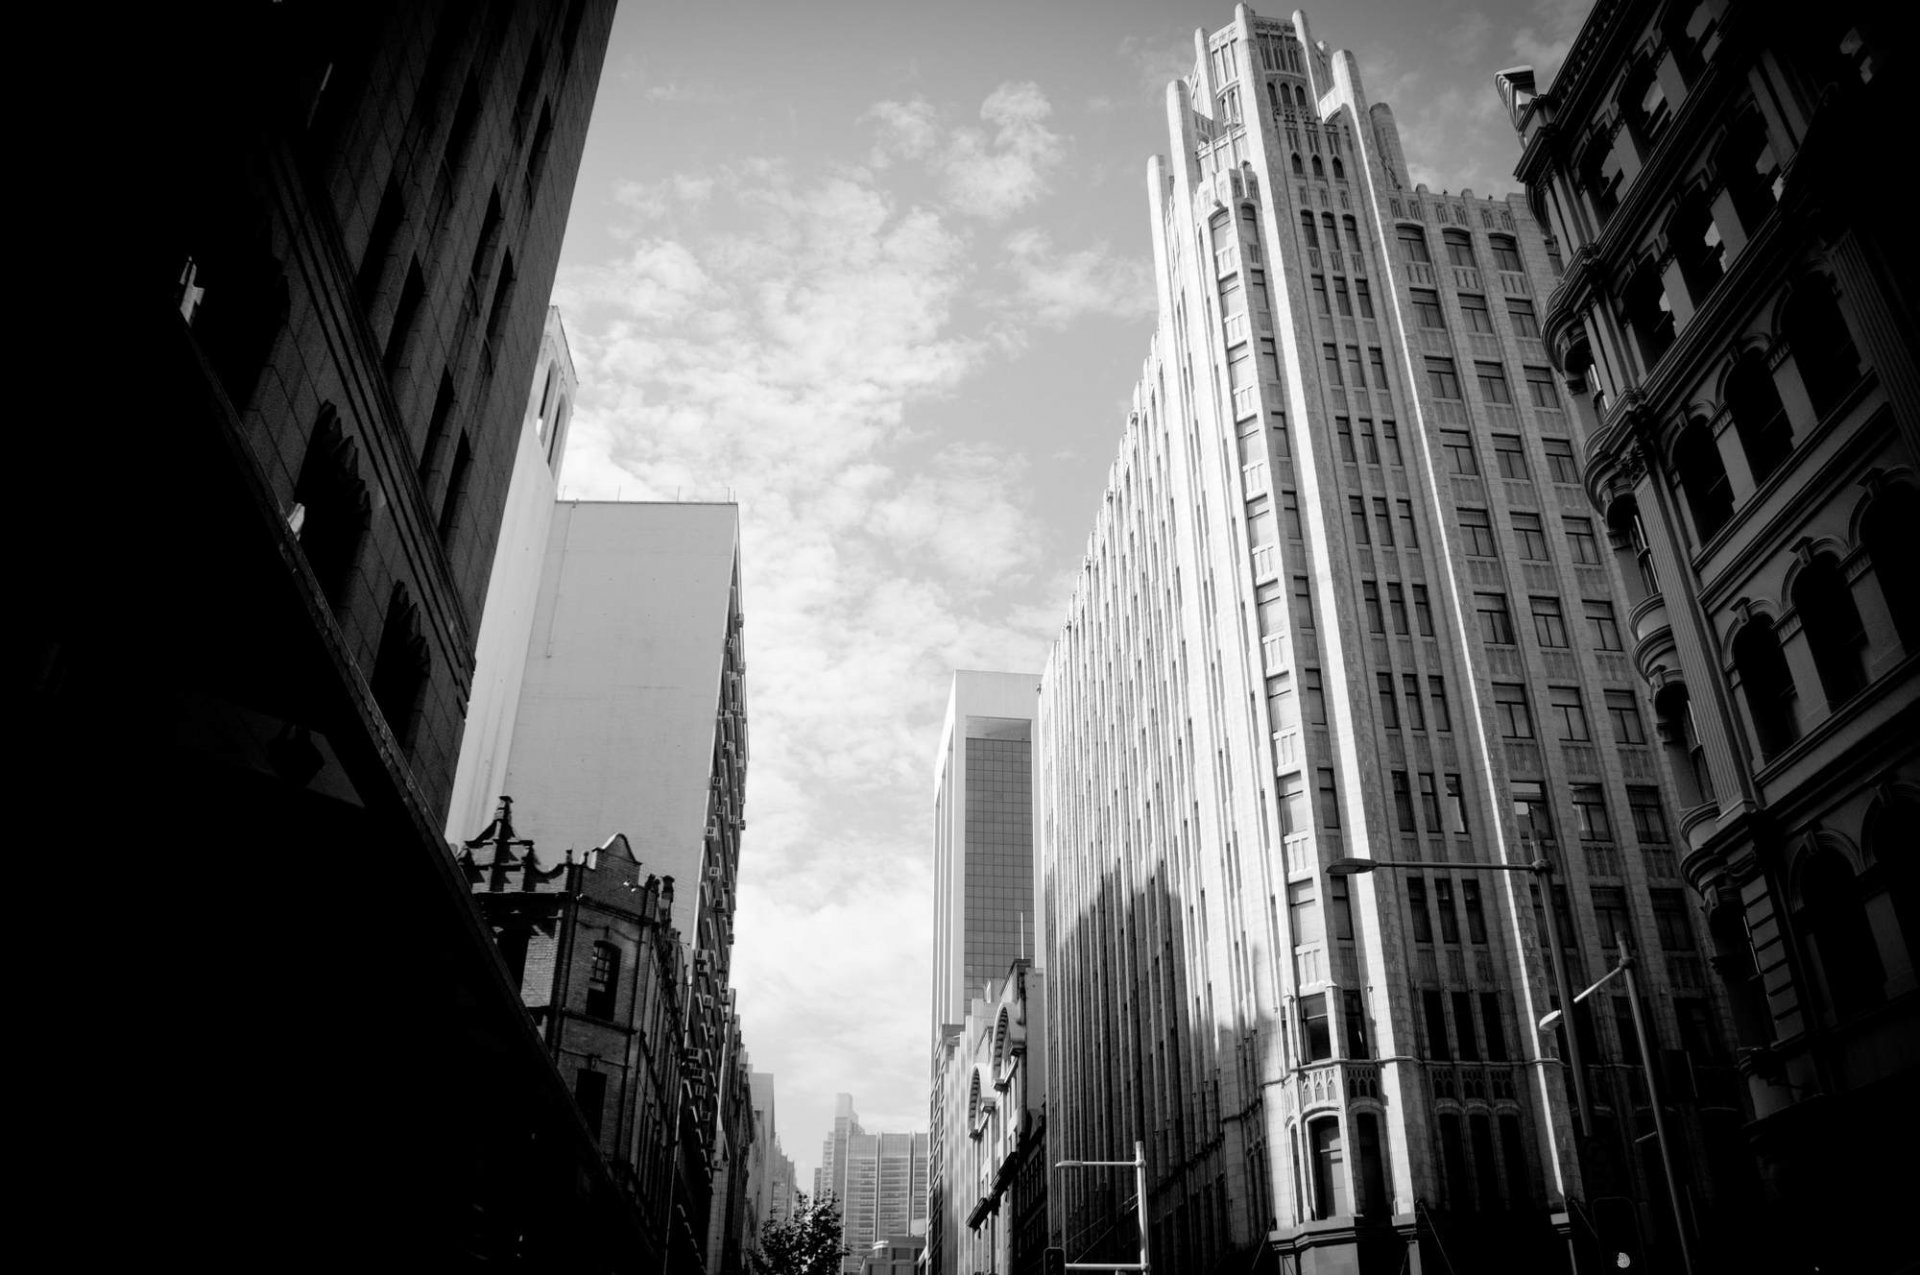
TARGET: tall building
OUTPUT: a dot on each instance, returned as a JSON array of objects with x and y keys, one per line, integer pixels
[
  {"x": 1736, "y": 324},
  {"x": 983, "y": 896},
  {"x": 311, "y": 347},
  {"x": 879, "y": 1181},
  {"x": 632, "y": 717},
  {"x": 762, "y": 1163},
  {"x": 782, "y": 1185},
  {"x": 1344, "y": 600}
]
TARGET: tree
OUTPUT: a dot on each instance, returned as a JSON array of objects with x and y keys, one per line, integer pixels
[{"x": 806, "y": 1243}]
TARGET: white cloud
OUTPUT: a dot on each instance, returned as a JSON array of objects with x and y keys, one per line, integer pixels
[
  {"x": 1543, "y": 43},
  {"x": 1053, "y": 287},
  {"x": 989, "y": 172}
]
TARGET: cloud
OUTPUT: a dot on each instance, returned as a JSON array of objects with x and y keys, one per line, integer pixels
[
  {"x": 1543, "y": 43},
  {"x": 1053, "y": 288},
  {"x": 1157, "y": 61},
  {"x": 988, "y": 172}
]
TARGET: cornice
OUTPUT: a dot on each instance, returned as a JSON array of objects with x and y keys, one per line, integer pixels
[{"x": 1566, "y": 301}]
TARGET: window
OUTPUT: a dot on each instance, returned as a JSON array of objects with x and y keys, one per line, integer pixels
[
  {"x": 1476, "y": 923},
  {"x": 1458, "y": 446},
  {"x": 1402, "y": 804},
  {"x": 1600, "y": 622},
  {"x": 1361, "y": 295},
  {"x": 1561, "y": 466},
  {"x": 1397, "y": 608},
  {"x": 1506, "y": 255},
  {"x": 1531, "y": 535},
  {"x": 1315, "y": 1036},
  {"x": 1703, "y": 478},
  {"x": 1549, "y": 623},
  {"x": 1437, "y": 696},
  {"x": 337, "y": 507},
  {"x": 1357, "y": 512},
  {"x": 1474, "y": 307},
  {"x": 1370, "y": 599},
  {"x": 1303, "y": 602},
  {"x": 1540, "y": 389},
  {"x": 1834, "y": 633},
  {"x": 1651, "y": 112},
  {"x": 1320, "y": 305},
  {"x": 1443, "y": 904},
  {"x": 1510, "y": 456},
  {"x": 1413, "y": 245},
  {"x": 1426, "y": 308},
  {"x": 1430, "y": 802},
  {"x": 1610, "y": 912},
  {"x": 1442, "y": 377},
  {"x": 1389, "y": 718},
  {"x": 1649, "y": 313},
  {"x": 1410, "y": 689},
  {"x": 1459, "y": 248},
  {"x": 1417, "y": 901},
  {"x": 1746, "y": 162},
  {"x": 1833, "y": 917},
  {"x": 1493, "y": 382},
  {"x": 1308, "y": 231},
  {"x": 1496, "y": 623},
  {"x": 1353, "y": 1008},
  {"x": 1409, "y": 529},
  {"x": 1624, "y": 713},
  {"x": 1315, "y": 696},
  {"x": 1569, "y": 717},
  {"x": 1381, "y": 516},
  {"x": 1340, "y": 907},
  {"x": 1330, "y": 359},
  {"x": 1378, "y": 361},
  {"x": 1590, "y": 813},
  {"x": 1300, "y": 170},
  {"x": 1290, "y": 512},
  {"x": 1670, "y": 920},
  {"x": 603, "y": 981},
  {"x": 590, "y": 1095},
  {"x": 1767, "y": 684},
  {"x": 1423, "y": 615},
  {"x": 1581, "y": 541},
  {"x": 1649, "y": 819},
  {"x": 1510, "y": 710},
  {"x": 401, "y": 667},
  {"x": 1329, "y": 798},
  {"x": 1356, "y": 370},
  {"x": 1433, "y": 1009},
  {"x": 1470, "y": 1052},
  {"x": 1343, "y": 429},
  {"x": 1343, "y": 300},
  {"x": 1525, "y": 322},
  {"x": 1370, "y": 447},
  {"x": 1293, "y": 807},
  {"x": 1698, "y": 247},
  {"x": 1478, "y": 535},
  {"x": 1456, "y": 804},
  {"x": 1352, "y": 228}
]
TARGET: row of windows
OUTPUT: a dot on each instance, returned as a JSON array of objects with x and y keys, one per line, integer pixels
[
  {"x": 1459, "y": 249},
  {"x": 1566, "y": 713},
  {"x": 1443, "y": 378},
  {"x": 1510, "y": 456},
  {"x": 1549, "y": 622},
  {"x": 1529, "y": 532}
]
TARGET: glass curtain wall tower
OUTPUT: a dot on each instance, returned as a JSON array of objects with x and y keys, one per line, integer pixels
[{"x": 1343, "y": 598}]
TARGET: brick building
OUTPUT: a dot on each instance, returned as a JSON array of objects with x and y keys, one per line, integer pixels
[
  {"x": 1736, "y": 328},
  {"x": 327, "y": 233}
]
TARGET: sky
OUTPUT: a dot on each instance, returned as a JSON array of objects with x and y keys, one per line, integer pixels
[{"x": 880, "y": 271}]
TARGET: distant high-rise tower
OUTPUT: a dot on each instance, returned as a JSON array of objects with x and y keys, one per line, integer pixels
[
  {"x": 1344, "y": 599},
  {"x": 878, "y": 1179}
]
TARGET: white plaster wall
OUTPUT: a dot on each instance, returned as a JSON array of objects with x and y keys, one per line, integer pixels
[{"x": 618, "y": 707}]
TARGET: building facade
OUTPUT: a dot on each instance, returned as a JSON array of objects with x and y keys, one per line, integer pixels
[
  {"x": 1344, "y": 599},
  {"x": 632, "y": 716},
  {"x": 318, "y": 336},
  {"x": 895, "y": 1255},
  {"x": 1735, "y": 329},
  {"x": 878, "y": 1181},
  {"x": 993, "y": 1080},
  {"x": 983, "y": 887}
]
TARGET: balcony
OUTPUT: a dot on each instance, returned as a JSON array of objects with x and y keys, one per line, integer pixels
[
  {"x": 1335, "y": 1084},
  {"x": 1652, "y": 634}
]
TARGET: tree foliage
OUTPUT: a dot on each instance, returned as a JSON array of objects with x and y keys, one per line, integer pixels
[{"x": 807, "y": 1242}]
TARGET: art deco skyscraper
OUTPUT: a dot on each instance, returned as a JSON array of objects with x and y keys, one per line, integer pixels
[{"x": 1344, "y": 598}]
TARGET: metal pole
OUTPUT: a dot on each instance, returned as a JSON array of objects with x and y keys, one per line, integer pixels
[
  {"x": 1140, "y": 1197},
  {"x": 1543, "y": 869},
  {"x": 1653, "y": 1097}
]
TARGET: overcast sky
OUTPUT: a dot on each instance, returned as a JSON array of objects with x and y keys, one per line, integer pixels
[{"x": 879, "y": 270}]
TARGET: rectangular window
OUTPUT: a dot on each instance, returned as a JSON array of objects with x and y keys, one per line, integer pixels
[
  {"x": 1293, "y": 807},
  {"x": 1610, "y": 911},
  {"x": 1378, "y": 361},
  {"x": 1340, "y": 907},
  {"x": 1316, "y": 1035},
  {"x": 1290, "y": 512},
  {"x": 1369, "y": 445},
  {"x": 1315, "y": 695},
  {"x": 1561, "y": 467},
  {"x": 1496, "y": 622},
  {"x": 1476, "y": 912},
  {"x": 1493, "y": 382},
  {"x": 1364, "y": 297},
  {"x": 1389, "y": 718},
  {"x": 1426, "y": 309},
  {"x": 1417, "y": 901},
  {"x": 1541, "y": 391},
  {"x": 1649, "y": 818},
  {"x": 1342, "y": 299},
  {"x": 1410, "y": 688},
  {"x": 1303, "y": 913},
  {"x": 1549, "y": 625},
  {"x": 1422, "y": 612},
  {"x": 1442, "y": 377},
  {"x": 1469, "y": 1051},
  {"x": 1459, "y": 249},
  {"x": 1385, "y": 520},
  {"x": 1623, "y": 711},
  {"x": 1329, "y": 798},
  {"x": 1413, "y": 245},
  {"x": 1353, "y": 1008},
  {"x": 1430, "y": 802},
  {"x": 1303, "y": 602},
  {"x": 1402, "y": 803},
  {"x": 1590, "y": 813},
  {"x": 1458, "y": 445},
  {"x": 1510, "y": 710},
  {"x": 1390, "y": 438},
  {"x": 1409, "y": 529},
  {"x": 590, "y": 1095},
  {"x": 1269, "y": 359},
  {"x": 1581, "y": 541},
  {"x": 1525, "y": 322},
  {"x": 1531, "y": 535},
  {"x": 1433, "y": 1008},
  {"x": 1505, "y": 255},
  {"x": 1330, "y": 359},
  {"x": 1370, "y": 599},
  {"x": 1600, "y": 622},
  {"x": 1343, "y": 429},
  {"x": 1320, "y": 305},
  {"x": 1456, "y": 804},
  {"x": 1356, "y": 370},
  {"x": 1510, "y": 455},
  {"x": 1475, "y": 310},
  {"x": 1437, "y": 697},
  {"x": 1443, "y": 904},
  {"x": 1497, "y": 1052},
  {"x": 1397, "y": 608},
  {"x": 1670, "y": 920},
  {"x": 1569, "y": 717}
]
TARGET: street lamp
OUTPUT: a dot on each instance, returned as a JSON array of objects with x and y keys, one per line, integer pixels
[
  {"x": 1624, "y": 969},
  {"x": 1139, "y": 1166}
]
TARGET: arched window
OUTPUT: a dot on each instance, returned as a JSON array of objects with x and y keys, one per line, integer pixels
[
  {"x": 400, "y": 669},
  {"x": 332, "y": 507},
  {"x": 1319, "y": 169},
  {"x": 1649, "y": 312},
  {"x": 1835, "y": 925},
  {"x": 1339, "y": 170},
  {"x": 1413, "y": 244},
  {"x": 1703, "y": 478},
  {"x": 1834, "y": 632},
  {"x": 1300, "y": 96},
  {"x": 1758, "y": 415},
  {"x": 1630, "y": 549},
  {"x": 1459, "y": 247},
  {"x": 1886, "y": 838},
  {"x": 1309, "y": 231},
  {"x": 1746, "y": 163},
  {"x": 1767, "y": 683},
  {"x": 1698, "y": 247},
  {"x": 1329, "y": 1168},
  {"x": 1890, "y": 531},
  {"x": 1299, "y": 169},
  {"x": 1821, "y": 345}
]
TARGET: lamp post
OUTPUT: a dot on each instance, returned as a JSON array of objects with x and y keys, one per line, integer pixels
[
  {"x": 1624, "y": 969},
  {"x": 1139, "y": 1166}
]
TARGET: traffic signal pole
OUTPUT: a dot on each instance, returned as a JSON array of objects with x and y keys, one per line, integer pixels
[{"x": 1056, "y": 1258}]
